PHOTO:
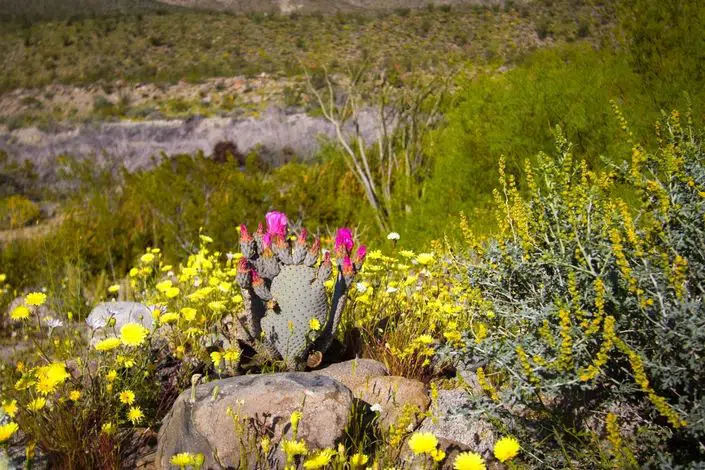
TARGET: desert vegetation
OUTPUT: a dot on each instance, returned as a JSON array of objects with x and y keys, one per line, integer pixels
[{"x": 512, "y": 268}]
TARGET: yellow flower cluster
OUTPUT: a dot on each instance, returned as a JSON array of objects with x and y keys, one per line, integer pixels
[
  {"x": 658, "y": 401},
  {"x": 565, "y": 357},
  {"x": 486, "y": 385}
]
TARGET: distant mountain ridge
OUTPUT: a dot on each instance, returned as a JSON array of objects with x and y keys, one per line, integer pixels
[{"x": 322, "y": 6}]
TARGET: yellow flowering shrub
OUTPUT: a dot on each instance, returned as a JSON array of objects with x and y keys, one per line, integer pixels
[{"x": 591, "y": 302}]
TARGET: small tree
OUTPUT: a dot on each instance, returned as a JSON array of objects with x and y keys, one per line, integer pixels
[{"x": 391, "y": 165}]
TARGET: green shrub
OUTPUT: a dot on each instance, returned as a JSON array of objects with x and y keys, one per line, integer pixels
[
  {"x": 513, "y": 114},
  {"x": 592, "y": 308},
  {"x": 17, "y": 211}
]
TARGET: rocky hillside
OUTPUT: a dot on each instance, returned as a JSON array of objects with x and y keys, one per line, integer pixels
[
  {"x": 323, "y": 6},
  {"x": 24, "y": 10}
]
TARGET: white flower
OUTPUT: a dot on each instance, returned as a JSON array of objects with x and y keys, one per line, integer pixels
[
  {"x": 196, "y": 282},
  {"x": 393, "y": 236},
  {"x": 96, "y": 323},
  {"x": 230, "y": 255},
  {"x": 391, "y": 290},
  {"x": 53, "y": 322},
  {"x": 361, "y": 287},
  {"x": 376, "y": 407}
]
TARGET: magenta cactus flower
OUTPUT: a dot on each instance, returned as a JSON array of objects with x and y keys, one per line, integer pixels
[
  {"x": 344, "y": 239},
  {"x": 361, "y": 253},
  {"x": 276, "y": 223},
  {"x": 267, "y": 240}
]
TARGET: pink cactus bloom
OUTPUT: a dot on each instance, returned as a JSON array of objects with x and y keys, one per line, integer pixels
[
  {"x": 347, "y": 266},
  {"x": 244, "y": 234},
  {"x": 260, "y": 229},
  {"x": 276, "y": 223},
  {"x": 301, "y": 239},
  {"x": 361, "y": 253},
  {"x": 344, "y": 239},
  {"x": 267, "y": 240}
]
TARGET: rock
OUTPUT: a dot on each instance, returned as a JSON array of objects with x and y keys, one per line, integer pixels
[
  {"x": 457, "y": 427},
  {"x": 393, "y": 394},
  {"x": 355, "y": 373},
  {"x": 265, "y": 402},
  {"x": 141, "y": 443},
  {"x": 122, "y": 312}
]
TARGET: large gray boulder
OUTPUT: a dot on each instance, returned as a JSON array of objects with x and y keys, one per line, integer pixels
[
  {"x": 392, "y": 396},
  {"x": 264, "y": 402}
]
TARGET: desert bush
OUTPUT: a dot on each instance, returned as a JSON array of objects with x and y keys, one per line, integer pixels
[
  {"x": 593, "y": 306},
  {"x": 512, "y": 115},
  {"x": 17, "y": 211}
]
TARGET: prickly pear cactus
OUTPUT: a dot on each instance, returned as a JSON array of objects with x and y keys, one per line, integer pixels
[{"x": 287, "y": 311}]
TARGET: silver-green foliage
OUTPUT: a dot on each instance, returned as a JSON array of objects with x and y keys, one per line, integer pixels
[{"x": 594, "y": 305}]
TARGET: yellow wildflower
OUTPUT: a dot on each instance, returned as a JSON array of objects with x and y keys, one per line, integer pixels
[
  {"x": 19, "y": 313},
  {"x": 37, "y": 404},
  {"x": 437, "y": 455},
  {"x": 319, "y": 460},
  {"x": 108, "y": 428},
  {"x": 314, "y": 324},
  {"x": 10, "y": 408},
  {"x": 425, "y": 259},
  {"x": 232, "y": 355},
  {"x": 469, "y": 461},
  {"x": 111, "y": 376},
  {"x": 35, "y": 298},
  {"x": 3, "y": 277},
  {"x": 172, "y": 292},
  {"x": 50, "y": 377},
  {"x": 358, "y": 460},
  {"x": 189, "y": 313},
  {"x": 7, "y": 430},
  {"x": 183, "y": 459},
  {"x": 293, "y": 448},
  {"x": 147, "y": 258},
  {"x": 216, "y": 357},
  {"x": 107, "y": 344},
  {"x": 169, "y": 317},
  {"x": 295, "y": 419},
  {"x": 133, "y": 334},
  {"x": 114, "y": 288},
  {"x": 74, "y": 395},
  {"x": 506, "y": 449},
  {"x": 422, "y": 443},
  {"x": 135, "y": 415},
  {"x": 163, "y": 286},
  {"x": 127, "y": 397}
]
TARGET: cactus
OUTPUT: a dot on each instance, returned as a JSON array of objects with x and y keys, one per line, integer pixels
[{"x": 282, "y": 285}]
